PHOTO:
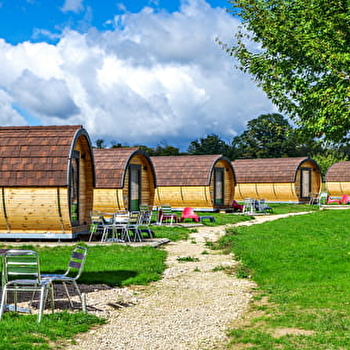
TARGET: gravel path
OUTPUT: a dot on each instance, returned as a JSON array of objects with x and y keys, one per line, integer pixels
[{"x": 190, "y": 308}]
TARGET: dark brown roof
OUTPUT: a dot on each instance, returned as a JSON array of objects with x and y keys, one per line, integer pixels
[
  {"x": 185, "y": 170},
  {"x": 267, "y": 170},
  {"x": 339, "y": 172},
  {"x": 35, "y": 155},
  {"x": 111, "y": 164}
]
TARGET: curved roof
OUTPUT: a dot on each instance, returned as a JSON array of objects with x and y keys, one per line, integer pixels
[
  {"x": 268, "y": 170},
  {"x": 111, "y": 165},
  {"x": 37, "y": 155},
  {"x": 186, "y": 170},
  {"x": 339, "y": 172}
]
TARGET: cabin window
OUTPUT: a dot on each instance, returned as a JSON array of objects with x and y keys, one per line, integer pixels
[
  {"x": 218, "y": 186},
  {"x": 305, "y": 183},
  {"x": 74, "y": 188},
  {"x": 134, "y": 187}
]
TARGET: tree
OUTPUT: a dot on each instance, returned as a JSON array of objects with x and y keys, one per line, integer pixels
[
  {"x": 100, "y": 143},
  {"x": 211, "y": 144},
  {"x": 327, "y": 158},
  {"x": 302, "y": 60},
  {"x": 268, "y": 136}
]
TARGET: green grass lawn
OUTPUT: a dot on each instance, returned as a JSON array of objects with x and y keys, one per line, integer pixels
[
  {"x": 113, "y": 265},
  {"x": 302, "y": 267}
]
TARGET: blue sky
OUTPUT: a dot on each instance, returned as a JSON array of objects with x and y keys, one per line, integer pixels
[{"x": 132, "y": 72}]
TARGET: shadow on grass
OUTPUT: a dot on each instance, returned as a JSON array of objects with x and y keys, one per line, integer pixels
[{"x": 110, "y": 278}]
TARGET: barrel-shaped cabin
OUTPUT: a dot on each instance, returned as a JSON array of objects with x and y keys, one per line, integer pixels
[
  {"x": 277, "y": 179},
  {"x": 202, "y": 182},
  {"x": 338, "y": 179},
  {"x": 125, "y": 179},
  {"x": 46, "y": 182}
]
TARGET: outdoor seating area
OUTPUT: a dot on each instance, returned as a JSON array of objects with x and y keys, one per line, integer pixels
[
  {"x": 323, "y": 198},
  {"x": 129, "y": 226},
  {"x": 21, "y": 273},
  {"x": 253, "y": 206}
]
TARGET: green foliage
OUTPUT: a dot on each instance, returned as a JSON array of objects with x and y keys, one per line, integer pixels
[
  {"x": 270, "y": 136},
  {"x": 303, "y": 269},
  {"x": 212, "y": 144},
  {"x": 327, "y": 158},
  {"x": 298, "y": 52}
]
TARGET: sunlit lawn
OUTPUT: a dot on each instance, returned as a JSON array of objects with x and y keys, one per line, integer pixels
[
  {"x": 302, "y": 266},
  {"x": 114, "y": 265}
]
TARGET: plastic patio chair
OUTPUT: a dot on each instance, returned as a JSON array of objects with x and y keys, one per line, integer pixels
[
  {"x": 21, "y": 273},
  {"x": 188, "y": 213},
  {"x": 73, "y": 272},
  {"x": 345, "y": 199}
]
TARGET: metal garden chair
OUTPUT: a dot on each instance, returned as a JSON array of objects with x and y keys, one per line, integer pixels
[
  {"x": 74, "y": 271},
  {"x": 21, "y": 273}
]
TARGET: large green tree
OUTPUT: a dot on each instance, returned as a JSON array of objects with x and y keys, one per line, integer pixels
[
  {"x": 211, "y": 144},
  {"x": 298, "y": 52},
  {"x": 271, "y": 136}
]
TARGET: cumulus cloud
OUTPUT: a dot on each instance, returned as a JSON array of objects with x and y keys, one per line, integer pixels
[
  {"x": 72, "y": 5},
  {"x": 155, "y": 77}
]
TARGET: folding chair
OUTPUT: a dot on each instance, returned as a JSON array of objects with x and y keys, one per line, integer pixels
[
  {"x": 74, "y": 271},
  {"x": 21, "y": 273}
]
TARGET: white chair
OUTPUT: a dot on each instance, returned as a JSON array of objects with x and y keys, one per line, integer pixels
[
  {"x": 21, "y": 273},
  {"x": 73, "y": 272}
]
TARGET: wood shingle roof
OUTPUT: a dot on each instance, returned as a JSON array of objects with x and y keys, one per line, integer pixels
[
  {"x": 339, "y": 172},
  {"x": 111, "y": 164},
  {"x": 184, "y": 170},
  {"x": 267, "y": 170},
  {"x": 35, "y": 155}
]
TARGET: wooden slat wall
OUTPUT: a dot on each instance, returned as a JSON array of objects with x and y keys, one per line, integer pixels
[
  {"x": 338, "y": 188},
  {"x": 108, "y": 200},
  {"x": 34, "y": 210},
  {"x": 284, "y": 192}
]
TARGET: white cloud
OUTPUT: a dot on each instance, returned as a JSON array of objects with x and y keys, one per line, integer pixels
[
  {"x": 72, "y": 5},
  {"x": 157, "y": 77}
]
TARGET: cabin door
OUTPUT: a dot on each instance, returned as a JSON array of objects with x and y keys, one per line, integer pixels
[
  {"x": 305, "y": 185},
  {"x": 218, "y": 186},
  {"x": 134, "y": 187},
  {"x": 74, "y": 188}
]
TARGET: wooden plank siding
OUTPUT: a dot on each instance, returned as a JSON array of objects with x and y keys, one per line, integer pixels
[
  {"x": 337, "y": 179},
  {"x": 188, "y": 181},
  {"x": 35, "y": 181},
  {"x": 112, "y": 190},
  {"x": 276, "y": 179}
]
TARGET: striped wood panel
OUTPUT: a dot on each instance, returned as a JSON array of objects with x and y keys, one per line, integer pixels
[
  {"x": 338, "y": 188},
  {"x": 34, "y": 210},
  {"x": 108, "y": 200}
]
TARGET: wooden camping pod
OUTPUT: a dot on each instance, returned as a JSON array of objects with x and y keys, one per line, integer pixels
[
  {"x": 201, "y": 181},
  {"x": 277, "y": 179},
  {"x": 46, "y": 182},
  {"x": 125, "y": 179},
  {"x": 338, "y": 179}
]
